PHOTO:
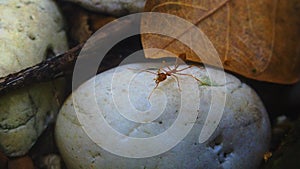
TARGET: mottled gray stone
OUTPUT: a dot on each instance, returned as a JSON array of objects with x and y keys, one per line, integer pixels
[{"x": 29, "y": 29}]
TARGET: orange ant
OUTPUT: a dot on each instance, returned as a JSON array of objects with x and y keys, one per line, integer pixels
[{"x": 161, "y": 76}]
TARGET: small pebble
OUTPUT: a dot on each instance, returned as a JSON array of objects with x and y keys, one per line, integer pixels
[{"x": 51, "y": 161}]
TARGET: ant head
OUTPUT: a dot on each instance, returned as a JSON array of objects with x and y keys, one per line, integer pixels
[{"x": 161, "y": 77}]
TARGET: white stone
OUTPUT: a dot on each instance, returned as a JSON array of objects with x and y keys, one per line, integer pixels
[
  {"x": 240, "y": 140},
  {"x": 113, "y": 7},
  {"x": 28, "y": 29}
]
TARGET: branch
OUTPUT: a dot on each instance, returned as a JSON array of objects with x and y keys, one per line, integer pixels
[{"x": 45, "y": 71}]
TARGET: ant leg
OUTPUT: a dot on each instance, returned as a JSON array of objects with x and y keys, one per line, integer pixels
[
  {"x": 176, "y": 63},
  {"x": 164, "y": 64},
  {"x": 185, "y": 68},
  {"x": 152, "y": 91},
  {"x": 142, "y": 70},
  {"x": 165, "y": 70},
  {"x": 190, "y": 66},
  {"x": 177, "y": 80},
  {"x": 181, "y": 58},
  {"x": 191, "y": 76}
]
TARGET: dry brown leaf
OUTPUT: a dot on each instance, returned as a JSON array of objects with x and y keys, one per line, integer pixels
[{"x": 256, "y": 39}]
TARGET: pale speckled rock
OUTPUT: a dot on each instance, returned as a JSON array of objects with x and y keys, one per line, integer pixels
[
  {"x": 29, "y": 29},
  {"x": 113, "y": 7},
  {"x": 241, "y": 139}
]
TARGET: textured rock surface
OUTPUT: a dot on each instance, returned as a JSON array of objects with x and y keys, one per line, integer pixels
[
  {"x": 113, "y": 7},
  {"x": 29, "y": 31},
  {"x": 241, "y": 139}
]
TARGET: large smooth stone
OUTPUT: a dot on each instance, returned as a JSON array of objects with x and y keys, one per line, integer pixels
[
  {"x": 239, "y": 141},
  {"x": 112, "y": 7},
  {"x": 29, "y": 30}
]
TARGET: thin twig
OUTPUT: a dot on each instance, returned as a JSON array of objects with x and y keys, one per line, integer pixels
[{"x": 45, "y": 71}]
